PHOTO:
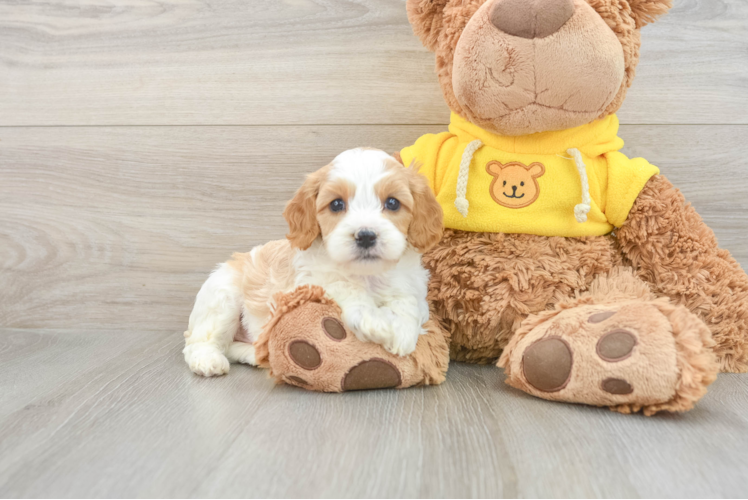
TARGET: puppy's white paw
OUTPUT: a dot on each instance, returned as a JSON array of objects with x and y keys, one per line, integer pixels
[
  {"x": 206, "y": 359},
  {"x": 404, "y": 337},
  {"x": 366, "y": 324},
  {"x": 383, "y": 326},
  {"x": 241, "y": 352}
]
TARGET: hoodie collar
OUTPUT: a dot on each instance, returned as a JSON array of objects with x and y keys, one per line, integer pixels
[{"x": 592, "y": 139}]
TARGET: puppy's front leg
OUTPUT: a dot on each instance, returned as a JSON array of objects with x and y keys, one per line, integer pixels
[
  {"x": 407, "y": 319},
  {"x": 395, "y": 326},
  {"x": 360, "y": 313}
]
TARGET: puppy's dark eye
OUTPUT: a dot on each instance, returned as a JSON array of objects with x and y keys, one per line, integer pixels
[
  {"x": 505, "y": 183},
  {"x": 337, "y": 205},
  {"x": 521, "y": 183},
  {"x": 392, "y": 204}
]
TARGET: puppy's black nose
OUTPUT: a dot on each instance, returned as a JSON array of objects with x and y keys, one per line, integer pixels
[
  {"x": 514, "y": 189},
  {"x": 366, "y": 238}
]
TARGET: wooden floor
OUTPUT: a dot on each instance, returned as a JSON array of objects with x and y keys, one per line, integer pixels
[{"x": 143, "y": 142}]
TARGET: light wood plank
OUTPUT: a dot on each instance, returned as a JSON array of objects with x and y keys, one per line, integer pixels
[
  {"x": 136, "y": 423},
  {"x": 694, "y": 66},
  {"x": 35, "y": 361},
  {"x": 120, "y": 226},
  {"x": 106, "y": 233},
  {"x": 309, "y": 62}
]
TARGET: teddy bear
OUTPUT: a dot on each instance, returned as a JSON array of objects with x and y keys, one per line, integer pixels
[{"x": 582, "y": 273}]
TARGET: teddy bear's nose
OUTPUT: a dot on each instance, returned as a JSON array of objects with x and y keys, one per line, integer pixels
[{"x": 531, "y": 18}]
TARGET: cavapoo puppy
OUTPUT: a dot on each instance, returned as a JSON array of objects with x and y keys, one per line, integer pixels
[{"x": 358, "y": 228}]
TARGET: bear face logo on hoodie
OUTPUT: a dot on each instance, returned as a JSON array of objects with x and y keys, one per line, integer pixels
[{"x": 515, "y": 185}]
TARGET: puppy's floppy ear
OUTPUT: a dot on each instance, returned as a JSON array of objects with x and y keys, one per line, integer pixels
[
  {"x": 647, "y": 11},
  {"x": 426, "y": 17},
  {"x": 301, "y": 212},
  {"x": 426, "y": 227}
]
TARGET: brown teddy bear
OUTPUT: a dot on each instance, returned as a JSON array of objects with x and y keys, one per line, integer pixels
[{"x": 583, "y": 271}]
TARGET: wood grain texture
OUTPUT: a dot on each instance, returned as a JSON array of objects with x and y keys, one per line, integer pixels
[
  {"x": 132, "y": 421},
  {"x": 113, "y": 209},
  {"x": 120, "y": 226},
  {"x": 309, "y": 62}
]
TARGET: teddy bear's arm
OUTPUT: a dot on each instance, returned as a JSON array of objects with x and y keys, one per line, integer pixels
[{"x": 674, "y": 251}]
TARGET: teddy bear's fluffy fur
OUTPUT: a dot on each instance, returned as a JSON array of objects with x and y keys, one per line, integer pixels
[{"x": 484, "y": 284}]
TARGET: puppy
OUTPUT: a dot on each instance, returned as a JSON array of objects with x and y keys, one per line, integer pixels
[{"x": 358, "y": 228}]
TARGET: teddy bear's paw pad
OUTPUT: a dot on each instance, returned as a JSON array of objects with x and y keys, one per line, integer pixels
[
  {"x": 372, "y": 374},
  {"x": 600, "y": 316},
  {"x": 547, "y": 364},
  {"x": 295, "y": 380},
  {"x": 617, "y": 386},
  {"x": 334, "y": 329},
  {"x": 616, "y": 345},
  {"x": 605, "y": 356},
  {"x": 304, "y": 354}
]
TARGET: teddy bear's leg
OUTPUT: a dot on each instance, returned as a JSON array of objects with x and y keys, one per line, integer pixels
[
  {"x": 484, "y": 285},
  {"x": 305, "y": 344},
  {"x": 674, "y": 251},
  {"x": 616, "y": 345}
]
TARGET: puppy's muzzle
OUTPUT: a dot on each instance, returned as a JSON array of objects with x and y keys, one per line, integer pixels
[{"x": 366, "y": 238}]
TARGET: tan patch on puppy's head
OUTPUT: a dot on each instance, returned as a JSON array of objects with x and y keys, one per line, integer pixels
[
  {"x": 337, "y": 189},
  {"x": 301, "y": 211},
  {"x": 419, "y": 216},
  {"x": 515, "y": 185},
  {"x": 308, "y": 213},
  {"x": 396, "y": 185}
]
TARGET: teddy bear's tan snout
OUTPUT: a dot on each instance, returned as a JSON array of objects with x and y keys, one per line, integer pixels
[
  {"x": 549, "y": 65},
  {"x": 531, "y": 18}
]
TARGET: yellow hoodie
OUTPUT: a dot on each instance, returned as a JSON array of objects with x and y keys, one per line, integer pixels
[{"x": 568, "y": 183}]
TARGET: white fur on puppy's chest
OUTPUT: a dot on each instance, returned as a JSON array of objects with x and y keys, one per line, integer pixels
[{"x": 377, "y": 284}]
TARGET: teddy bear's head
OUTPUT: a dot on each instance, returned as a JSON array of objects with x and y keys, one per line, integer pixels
[{"x": 517, "y": 67}]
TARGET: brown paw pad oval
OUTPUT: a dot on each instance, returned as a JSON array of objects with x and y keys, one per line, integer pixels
[
  {"x": 547, "y": 364},
  {"x": 304, "y": 354},
  {"x": 616, "y": 345},
  {"x": 601, "y": 316},
  {"x": 372, "y": 374},
  {"x": 297, "y": 380},
  {"x": 333, "y": 328},
  {"x": 617, "y": 386}
]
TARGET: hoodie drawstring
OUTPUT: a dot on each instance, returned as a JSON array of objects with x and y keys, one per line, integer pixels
[
  {"x": 581, "y": 210},
  {"x": 461, "y": 202}
]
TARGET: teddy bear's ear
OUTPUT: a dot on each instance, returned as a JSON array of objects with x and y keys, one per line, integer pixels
[
  {"x": 425, "y": 17},
  {"x": 647, "y": 11}
]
